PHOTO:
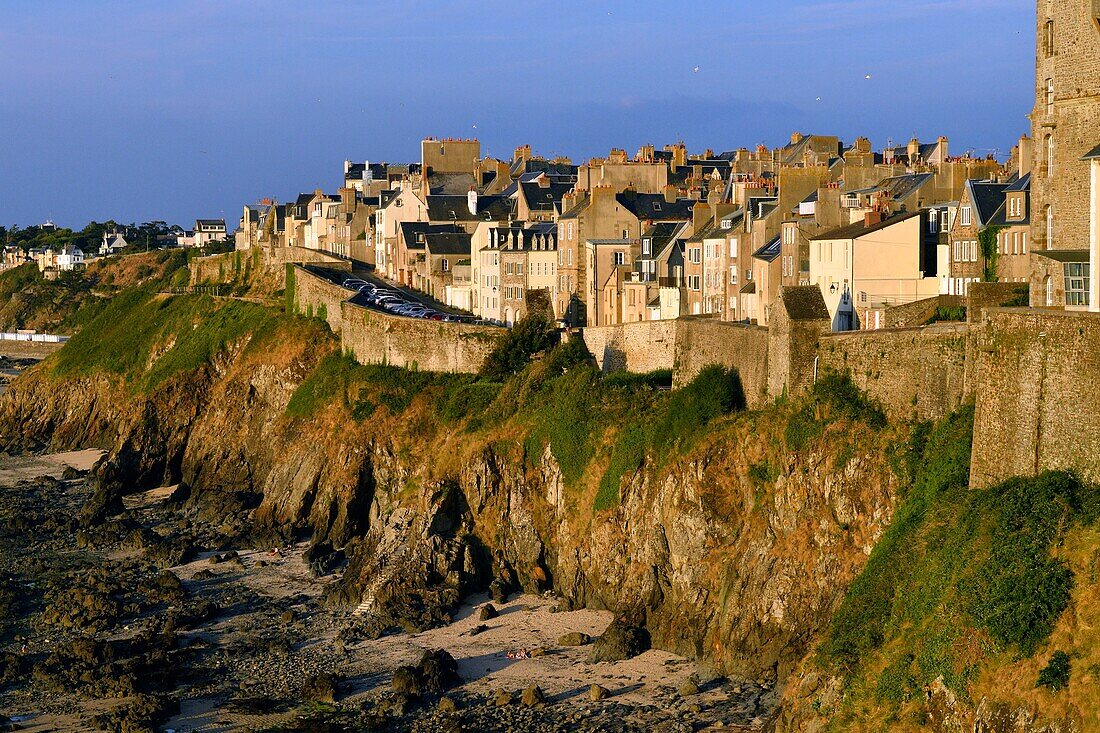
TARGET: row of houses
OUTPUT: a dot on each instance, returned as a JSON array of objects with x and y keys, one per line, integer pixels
[{"x": 665, "y": 233}]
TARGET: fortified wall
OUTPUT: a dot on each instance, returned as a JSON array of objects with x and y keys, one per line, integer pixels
[
  {"x": 1037, "y": 405},
  {"x": 914, "y": 372},
  {"x": 374, "y": 337},
  {"x": 237, "y": 265}
]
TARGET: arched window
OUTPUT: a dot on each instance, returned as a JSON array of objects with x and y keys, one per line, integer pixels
[{"x": 1048, "y": 288}]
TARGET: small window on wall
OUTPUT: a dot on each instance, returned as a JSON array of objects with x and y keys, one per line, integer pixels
[
  {"x": 1077, "y": 283},
  {"x": 965, "y": 216},
  {"x": 1048, "y": 38}
]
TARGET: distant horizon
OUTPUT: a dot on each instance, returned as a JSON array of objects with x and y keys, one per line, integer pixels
[{"x": 185, "y": 110}]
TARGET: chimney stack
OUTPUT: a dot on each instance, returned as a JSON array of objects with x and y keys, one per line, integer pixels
[{"x": 871, "y": 218}]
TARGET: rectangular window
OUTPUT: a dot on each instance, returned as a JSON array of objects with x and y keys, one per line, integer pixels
[
  {"x": 733, "y": 249},
  {"x": 733, "y": 276},
  {"x": 1050, "y": 96},
  {"x": 620, "y": 258},
  {"x": 1048, "y": 39},
  {"x": 966, "y": 216},
  {"x": 933, "y": 223},
  {"x": 446, "y": 265},
  {"x": 1077, "y": 283}
]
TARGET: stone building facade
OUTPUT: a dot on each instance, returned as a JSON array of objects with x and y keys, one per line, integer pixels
[{"x": 1065, "y": 127}]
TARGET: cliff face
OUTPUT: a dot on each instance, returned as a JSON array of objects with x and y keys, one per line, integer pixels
[{"x": 735, "y": 549}]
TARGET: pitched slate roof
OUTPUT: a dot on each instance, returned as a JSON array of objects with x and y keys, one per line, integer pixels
[
  {"x": 415, "y": 232},
  {"x": 1023, "y": 183},
  {"x": 456, "y": 208},
  {"x": 1093, "y": 154},
  {"x": 987, "y": 198},
  {"x": 448, "y": 243},
  {"x": 541, "y": 198},
  {"x": 859, "y": 228},
  {"x": 654, "y": 207}
]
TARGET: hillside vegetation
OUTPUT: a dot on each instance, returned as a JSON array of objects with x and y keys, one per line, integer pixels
[
  {"x": 29, "y": 300},
  {"x": 968, "y": 597},
  {"x": 811, "y": 542}
]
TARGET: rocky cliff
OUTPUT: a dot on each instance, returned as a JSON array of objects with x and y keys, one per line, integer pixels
[{"x": 730, "y": 547}]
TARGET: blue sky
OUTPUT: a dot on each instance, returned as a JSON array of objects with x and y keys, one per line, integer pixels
[{"x": 177, "y": 110}]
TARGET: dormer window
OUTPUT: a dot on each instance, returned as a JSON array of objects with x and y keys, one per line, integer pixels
[{"x": 647, "y": 246}]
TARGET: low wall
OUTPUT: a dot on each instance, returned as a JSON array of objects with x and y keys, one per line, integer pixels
[
  {"x": 1037, "y": 406},
  {"x": 28, "y": 349},
  {"x": 919, "y": 312},
  {"x": 705, "y": 342},
  {"x": 646, "y": 346},
  {"x": 915, "y": 372},
  {"x": 373, "y": 337},
  {"x": 984, "y": 296}
]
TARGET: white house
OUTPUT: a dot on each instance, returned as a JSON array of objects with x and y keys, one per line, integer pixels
[
  {"x": 113, "y": 243},
  {"x": 70, "y": 258},
  {"x": 209, "y": 230}
]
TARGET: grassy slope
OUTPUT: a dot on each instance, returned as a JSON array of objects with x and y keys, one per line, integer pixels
[
  {"x": 65, "y": 305},
  {"x": 971, "y": 587}
]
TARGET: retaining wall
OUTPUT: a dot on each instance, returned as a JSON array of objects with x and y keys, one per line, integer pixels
[
  {"x": 1037, "y": 404},
  {"x": 28, "y": 349},
  {"x": 373, "y": 337},
  {"x": 642, "y": 347},
  {"x": 915, "y": 372},
  {"x": 705, "y": 342},
  {"x": 231, "y": 266}
]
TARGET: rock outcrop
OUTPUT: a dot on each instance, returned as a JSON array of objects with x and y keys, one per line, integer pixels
[{"x": 711, "y": 559}]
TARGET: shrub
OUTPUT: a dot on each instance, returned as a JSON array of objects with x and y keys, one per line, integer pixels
[
  {"x": 1056, "y": 674},
  {"x": 532, "y": 334}
]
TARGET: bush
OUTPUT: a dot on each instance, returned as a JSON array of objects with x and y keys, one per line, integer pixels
[
  {"x": 1056, "y": 674},
  {"x": 532, "y": 334}
]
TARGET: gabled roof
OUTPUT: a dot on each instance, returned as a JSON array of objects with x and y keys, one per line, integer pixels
[
  {"x": 451, "y": 243},
  {"x": 456, "y": 208},
  {"x": 860, "y": 228},
  {"x": 540, "y": 198},
  {"x": 1021, "y": 184},
  {"x": 1093, "y": 154},
  {"x": 415, "y": 232},
  {"x": 987, "y": 198},
  {"x": 654, "y": 206}
]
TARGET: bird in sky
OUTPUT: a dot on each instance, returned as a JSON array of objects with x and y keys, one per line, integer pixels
[{"x": 696, "y": 69}]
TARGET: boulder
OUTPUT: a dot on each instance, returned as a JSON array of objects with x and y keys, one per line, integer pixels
[
  {"x": 320, "y": 688},
  {"x": 487, "y": 612},
  {"x": 621, "y": 640},
  {"x": 687, "y": 688},
  {"x": 503, "y": 699},
  {"x": 598, "y": 692},
  {"x": 436, "y": 672},
  {"x": 575, "y": 638},
  {"x": 532, "y": 696},
  {"x": 448, "y": 704}
]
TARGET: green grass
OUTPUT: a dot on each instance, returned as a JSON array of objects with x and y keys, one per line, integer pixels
[
  {"x": 960, "y": 574},
  {"x": 948, "y": 314},
  {"x": 148, "y": 340}
]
